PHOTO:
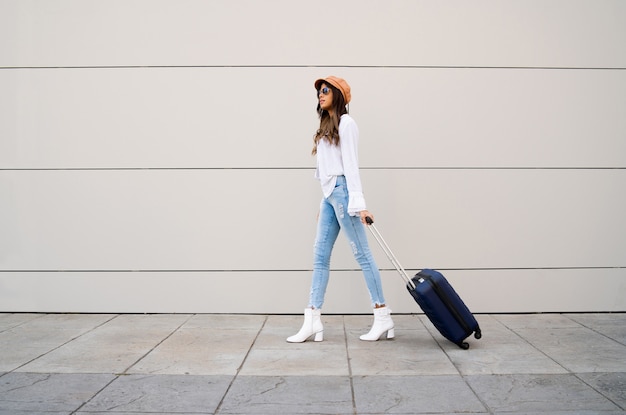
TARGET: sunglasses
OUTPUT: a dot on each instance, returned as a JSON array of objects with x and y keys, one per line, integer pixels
[{"x": 324, "y": 91}]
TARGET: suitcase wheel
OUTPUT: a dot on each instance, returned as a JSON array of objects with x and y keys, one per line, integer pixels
[
  {"x": 478, "y": 334},
  {"x": 463, "y": 345}
]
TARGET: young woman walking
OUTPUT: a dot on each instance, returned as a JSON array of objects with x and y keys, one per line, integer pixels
[{"x": 342, "y": 208}]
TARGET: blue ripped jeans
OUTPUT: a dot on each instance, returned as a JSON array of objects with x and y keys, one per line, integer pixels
[{"x": 333, "y": 217}]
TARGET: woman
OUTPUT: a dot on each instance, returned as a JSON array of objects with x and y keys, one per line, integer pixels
[{"x": 342, "y": 207}]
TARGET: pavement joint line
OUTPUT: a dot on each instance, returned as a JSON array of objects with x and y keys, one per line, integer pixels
[
  {"x": 351, "y": 378},
  {"x": 243, "y": 362},
  {"x": 606, "y": 396},
  {"x": 22, "y": 323},
  {"x": 125, "y": 371},
  {"x": 115, "y": 377},
  {"x": 59, "y": 346},
  {"x": 569, "y": 371},
  {"x": 456, "y": 367},
  {"x": 595, "y": 331}
]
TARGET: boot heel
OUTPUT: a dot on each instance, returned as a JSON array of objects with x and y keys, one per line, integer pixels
[
  {"x": 390, "y": 334},
  {"x": 319, "y": 336}
]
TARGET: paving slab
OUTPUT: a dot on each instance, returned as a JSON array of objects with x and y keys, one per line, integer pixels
[
  {"x": 35, "y": 337},
  {"x": 251, "y": 395},
  {"x": 46, "y": 392},
  {"x": 499, "y": 351},
  {"x": 579, "y": 349},
  {"x": 29, "y": 412},
  {"x": 411, "y": 352},
  {"x": 538, "y": 394},
  {"x": 161, "y": 394},
  {"x": 199, "y": 351},
  {"x": 111, "y": 348},
  {"x": 612, "y": 325},
  {"x": 414, "y": 395},
  {"x": 140, "y": 413},
  {"x": 272, "y": 355},
  {"x": 296, "y": 362},
  {"x": 206, "y": 344},
  {"x": 575, "y": 412},
  {"x": 70, "y": 322},
  {"x": 10, "y": 320},
  {"x": 610, "y": 385},
  {"x": 536, "y": 321},
  {"x": 225, "y": 322}
]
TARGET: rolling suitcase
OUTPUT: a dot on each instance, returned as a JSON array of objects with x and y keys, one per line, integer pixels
[{"x": 436, "y": 297}]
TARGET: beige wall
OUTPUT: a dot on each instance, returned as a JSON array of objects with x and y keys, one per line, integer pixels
[{"x": 154, "y": 155}]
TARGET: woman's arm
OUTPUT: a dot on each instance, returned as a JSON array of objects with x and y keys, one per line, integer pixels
[{"x": 349, "y": 138}]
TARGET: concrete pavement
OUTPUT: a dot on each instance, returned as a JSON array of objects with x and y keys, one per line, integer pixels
[{"x": 240, "y": 364}]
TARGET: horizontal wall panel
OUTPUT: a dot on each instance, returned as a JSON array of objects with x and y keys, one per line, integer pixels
[
  {"x": 159, "y": 220},
  {"x": 193, "y": 117},
  {"x": 490, "y": 291},
  {"x": 491, "y": 118},
  {"x": 501, "y": 218},
  {"x": 265, "y": 219},
  {"x": 282, "y": 32},
  {"x": 265, "y": 117}
]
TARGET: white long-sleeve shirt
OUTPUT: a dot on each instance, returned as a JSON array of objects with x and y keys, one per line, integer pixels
[{"x": 333, "y": 161}]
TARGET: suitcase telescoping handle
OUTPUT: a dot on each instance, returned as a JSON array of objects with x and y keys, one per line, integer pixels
[{"x": 381, "y": 241}]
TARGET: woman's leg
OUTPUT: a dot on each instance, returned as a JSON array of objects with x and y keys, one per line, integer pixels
[
  {"x": 327, "y": 232},
  {"x": 355, "y": 231},
  {"x": 356, "y": 234}
]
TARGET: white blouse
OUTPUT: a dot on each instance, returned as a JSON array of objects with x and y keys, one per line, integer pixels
[{"x": 333, "y": 161}]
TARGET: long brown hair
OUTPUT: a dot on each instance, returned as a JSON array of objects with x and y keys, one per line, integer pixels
[{"x": 329, "y": 124}]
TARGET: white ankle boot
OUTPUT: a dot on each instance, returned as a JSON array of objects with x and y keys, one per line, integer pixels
[
  {"x": 312, "y": 326},
  {"x": 382, "y": 324}
]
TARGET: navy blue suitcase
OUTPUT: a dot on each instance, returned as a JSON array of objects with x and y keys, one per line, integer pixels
[
  {"x": 443, "y": 307},
  {"x": 436, "y": 297}
]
